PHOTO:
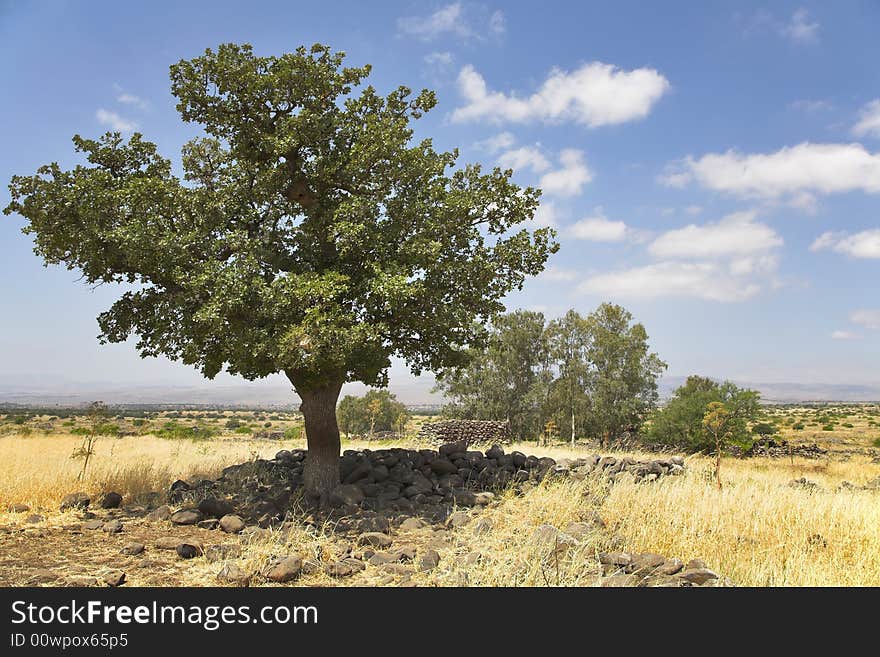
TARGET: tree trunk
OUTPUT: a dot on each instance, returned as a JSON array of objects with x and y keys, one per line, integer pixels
[
  {"x": 572, "y": 426},
  {"x": 717, "y": 463},
  {"x": 321, "y": 471}
]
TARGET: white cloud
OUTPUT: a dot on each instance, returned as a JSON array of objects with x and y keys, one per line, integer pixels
[
  {"x": 693, "y": 209},
  {"x": 845, "y": 335},
  {"x": 131, "y": 99},
  {"x": 451, "y": 19},
  {"x": 800, "y": 28},
  {"x": 865, "y": 244},
  {"x": 709, "y": 281},
  {"x": 570, "y": 178},
  {"x": 594, "y": 95},
  {"x": 114, "y": 121},
  {"x": 496, "y": 143},
  {"x": 497, "y": 24},
  {"x": 869, "y": 319},
  {"x": 556, "y": 274},
  {"x": 788, "y": 173},
  {"x": 525, "y": 157},
  {"x": 735, "y": 235},
  {"x": 729, "y": 260},
  {"x": 439, "y": 59},
  {"x": 545, "y": 215},
  {"x": 812, "y": 106},
  {"x": 869, "y": 120},
  {"x": 599, "y": 228}
]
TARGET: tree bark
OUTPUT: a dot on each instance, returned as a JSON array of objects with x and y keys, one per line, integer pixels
[{"x": 321, "y": 471}]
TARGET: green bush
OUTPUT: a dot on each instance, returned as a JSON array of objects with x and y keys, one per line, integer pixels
[
  {"x": 173, "y": 430},
  {"x": 876, "y": 442},
  {"x": 378, "y": 410},
  {"x": 798, "y": 426},
  {"x": 243, "y": 429},
  {"x": 828, "y": 427},
  {"x": 293, "y": 433}
]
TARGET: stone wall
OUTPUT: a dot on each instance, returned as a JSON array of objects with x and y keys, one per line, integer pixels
[{"x": 471, "y": 432}]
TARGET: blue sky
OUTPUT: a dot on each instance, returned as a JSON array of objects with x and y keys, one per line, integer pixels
[{"x": 714, "y": 167}]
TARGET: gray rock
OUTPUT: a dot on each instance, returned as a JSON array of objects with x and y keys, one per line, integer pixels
[
  {"x": 111, "y": 501},
  {"x": 375, "y": 539},
  {"x": 430, "y": 560},
  {"x": 75, "y": 501},
  {"x": 646, "y": 562},
  {"x": 209, "y": 523},
  {"x": 670, "y": 567},
  {"x": 167, "y": 543},
  {"x": 412, "y": 524},
  {"x": 187, "y": 517},
  {"x": 223, "y": 551},
  {"x": 34, "y": 518},
  {"x": 188, "y": 550},
  {"x": 133, "y": 548},
  {"x": 615, "y": 558},
  {"x": 443, "y": 466},
  {"x": 231, "y": 524},
  {"x": 698, "y": 576},
  {"x": 339, "y": 569},
  {"x": 161, "y": 513},
  {"x": 458, "y": 519},
  {"x": 212, "y": 507},
  {"x": 233, "y": 574},
  {"x": 19, "y": 508},
  {"x": 346, "y": 494},
  {"x": 114, "y": 578},
  {"x": 285, "y": 570},
  {"x": 92, "y": 525},
  {"x": 81, "y": 581},
  {"x": 112, "y": 527}
]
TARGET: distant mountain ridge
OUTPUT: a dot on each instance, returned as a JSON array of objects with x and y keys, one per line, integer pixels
[{"x": 415, "y": 392}]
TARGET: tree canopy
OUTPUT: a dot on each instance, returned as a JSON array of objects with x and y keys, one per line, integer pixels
[
  {"x": 377, "y": 410},
  {"x": 308, "y": 233},
  {"x": 592, "y": 376},
  {"x": 680, "y": 421}
]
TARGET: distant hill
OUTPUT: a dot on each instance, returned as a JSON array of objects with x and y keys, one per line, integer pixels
[{"x": 413, "y": 392}]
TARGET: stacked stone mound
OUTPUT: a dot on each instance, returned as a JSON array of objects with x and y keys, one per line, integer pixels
[
  {"x": 781, "y": 448},
  {"x": 426, "y": 481},
  {"x": 472, "y": 432}
]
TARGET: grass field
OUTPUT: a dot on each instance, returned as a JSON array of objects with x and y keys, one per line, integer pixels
[{"x": 757, "y": 531}]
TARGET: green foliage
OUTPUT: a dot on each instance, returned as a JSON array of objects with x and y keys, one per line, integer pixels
[
  {"x": 764, "y": 429},
  {"x": 293, "y": 433},
  {"x": 680, "y": 421},
  {"x": 176, "y": 431},
  {"x": 828, "y": 427},
  {"x": 377, "y": 410},
  {"x": 597, "y": 371},
  {"x": 244, "y": 429},
  {"x": 798, "y": 426},
  {"x": 876, "y": 442},
  {"x": 309, "y": 234}
]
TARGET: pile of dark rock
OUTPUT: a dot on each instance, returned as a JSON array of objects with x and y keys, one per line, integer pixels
[
  {"x": 397, "y": 481},
  {"x": 781, "y": 448},
  {"x": 470, "y": 431}
]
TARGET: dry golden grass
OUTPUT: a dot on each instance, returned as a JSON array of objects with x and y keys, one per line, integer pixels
[{"x": 757, "y": 531}]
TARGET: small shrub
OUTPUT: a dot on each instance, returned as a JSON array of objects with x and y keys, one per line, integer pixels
[
  {"x": 798, "y": 426},
  {"x": 244, "y": 430},
  {"x": 293, "y": 433},
  {"x": 828, "y": 427},
  {"x": 876, "y": 442}
]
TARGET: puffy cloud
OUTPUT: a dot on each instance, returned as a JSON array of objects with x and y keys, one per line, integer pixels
[
  {"x": 796, "y": 173},
  {"x": 545, "y": 215},
  {"x": 801, "y": 28},
  {"x": 556, "y": 274},
  {"x": 865, "y": 244},
  {"x": 525, "y": 157},
  {"x": 496, "y": 143},
  {"x": 593, "y": 95},
  {"x": 114, "y": 121},
  {"x": 570, "y": 177},
  {"x": 702, "y": 280},
  {"x": 600, "y": 229},
  {"x": 869, "y": 319},
  {"x": 451, "y": 19},
  {"x": 869, "y": 120},
  {"x": 736, "y": 234},
  {"x": 729, "y": 260}
]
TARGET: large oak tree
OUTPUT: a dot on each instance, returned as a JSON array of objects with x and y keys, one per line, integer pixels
[{"x": 310, "y": 234}]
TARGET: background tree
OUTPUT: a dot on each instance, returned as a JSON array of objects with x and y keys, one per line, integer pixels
[
  {"x": 717, "y": 424},
  {"x": 377, "y": 410},
  {"x": 624, "y": 385},
  {"x": 508, "y": 379},
  {"x": 310, "y": 235},
  {"x": 568, "y": 341},
  {"x": 680, "y": 421}
]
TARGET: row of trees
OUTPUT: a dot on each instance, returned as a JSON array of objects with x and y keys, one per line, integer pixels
[
  {"x": 590, "y": 376},
  {"x": 377, "y": 410}
]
